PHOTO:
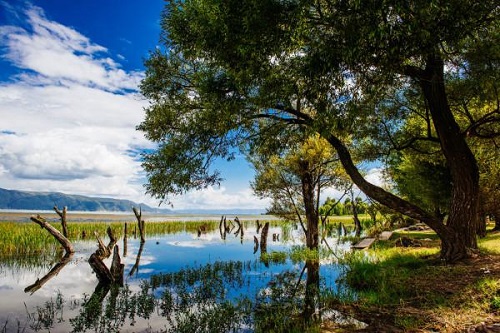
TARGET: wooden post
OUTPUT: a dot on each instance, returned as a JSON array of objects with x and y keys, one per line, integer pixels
[
  {"x": 54, "y": 232},
  {"x": 125, "y": 241},
  {"x": 62, "y": 215},
  {"x": 140, "y": 222}
]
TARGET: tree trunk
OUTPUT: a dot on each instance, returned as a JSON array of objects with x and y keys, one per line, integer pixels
[
  {"x": 312, "y": 218},
  {"x": 459, "y": 234},
  {"x": 311, "y": 297},
  {"x": 463, "y": 213},
  {"x": 357, "y": 222}
]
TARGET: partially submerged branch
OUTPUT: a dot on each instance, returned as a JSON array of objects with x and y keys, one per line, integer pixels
[{"x": 68, "y": 247}]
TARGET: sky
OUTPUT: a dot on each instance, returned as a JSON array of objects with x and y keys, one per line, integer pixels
[{"x": 69, "y": 103}]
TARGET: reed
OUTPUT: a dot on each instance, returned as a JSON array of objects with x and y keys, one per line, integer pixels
[{"x": 26, "y": 239}]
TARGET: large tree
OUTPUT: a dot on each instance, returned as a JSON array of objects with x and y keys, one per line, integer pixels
[{"x": 235, "y": 73}]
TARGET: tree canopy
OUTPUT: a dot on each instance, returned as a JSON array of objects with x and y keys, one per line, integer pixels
[{"x": 246, "y": 74}]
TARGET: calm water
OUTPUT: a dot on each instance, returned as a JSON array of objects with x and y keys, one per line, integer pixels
[{"x": 175, "y": 282}]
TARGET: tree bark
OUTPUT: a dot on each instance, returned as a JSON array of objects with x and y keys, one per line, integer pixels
[
  {"x": 68, "y": 247},
  {"x": 312, "y": 217},
  {"x": 463, "y": 213}
]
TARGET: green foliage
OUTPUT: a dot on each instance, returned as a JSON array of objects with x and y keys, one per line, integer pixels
[{"x": 370, "y": 77}]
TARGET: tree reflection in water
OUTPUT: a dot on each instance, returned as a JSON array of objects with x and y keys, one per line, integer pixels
[{"x": 210, "y": 298}]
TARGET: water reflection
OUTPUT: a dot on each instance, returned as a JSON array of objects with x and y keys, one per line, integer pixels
[
  {"x": 204, "y": 299},
  {"x": 53, "y": 272},
  {"x": 215, "y": 283}
]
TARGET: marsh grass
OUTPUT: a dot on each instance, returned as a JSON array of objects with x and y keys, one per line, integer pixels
[{"x": 19, "y": 239}]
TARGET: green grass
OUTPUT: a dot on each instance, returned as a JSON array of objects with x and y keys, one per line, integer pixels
[{"x": 28, "y": 239}]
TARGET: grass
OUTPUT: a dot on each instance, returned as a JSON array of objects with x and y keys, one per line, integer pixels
[
  {"x": 18, "y": 239},
  {"x": 410, "y": 289}
]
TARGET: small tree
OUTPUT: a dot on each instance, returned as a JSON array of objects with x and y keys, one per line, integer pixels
[{"x": 295, "y": 180}]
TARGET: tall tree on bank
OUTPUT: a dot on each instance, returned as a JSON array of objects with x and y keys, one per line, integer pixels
[{"x": 234, "y": 73}]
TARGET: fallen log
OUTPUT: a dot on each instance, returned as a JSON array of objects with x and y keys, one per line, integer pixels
[{"x": 66, "y": 244}]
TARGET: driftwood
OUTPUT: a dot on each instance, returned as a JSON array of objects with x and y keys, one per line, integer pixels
[
  {"x": 68, "y": 247},
  {"x": 62, "y": 215},
  {"x": 103, "y": 251},
  {"x": 222, "y": 227},
  {"x": 53, "y": 272},
  {"x": 100, "y": 269},
  {"x": 140, "y": 223},
  {"x": 105, "y": 275}
]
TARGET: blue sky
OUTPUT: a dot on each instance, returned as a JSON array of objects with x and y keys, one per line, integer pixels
[{"x": 69, "y": 102}]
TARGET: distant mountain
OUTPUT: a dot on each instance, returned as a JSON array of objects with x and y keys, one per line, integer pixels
[
  {"x": 228, "y": 211},
  {"x": 11, "y": 199}
]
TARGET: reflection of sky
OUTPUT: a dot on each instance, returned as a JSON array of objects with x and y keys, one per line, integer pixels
[{"x": 161, "y": 254}]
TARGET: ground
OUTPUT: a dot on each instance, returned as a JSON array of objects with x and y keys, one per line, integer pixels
[{"x": 464, "y": 297}]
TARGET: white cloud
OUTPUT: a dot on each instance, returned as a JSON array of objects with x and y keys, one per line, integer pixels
[
  {"x": 62, "y": 55},
  {"x": 69, "y": 118},
  {"x": 219, "y": 198},
  {"x": 376, "y": 177}
]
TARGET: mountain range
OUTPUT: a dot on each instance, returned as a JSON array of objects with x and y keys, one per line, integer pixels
[{"x": 17, "y": 200}]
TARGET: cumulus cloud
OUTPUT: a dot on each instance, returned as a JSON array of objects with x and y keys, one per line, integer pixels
[
  {"x": 68, "y": 120},
  {"x": 69, "y": 116},
  {"x": 63, "y": 55}
]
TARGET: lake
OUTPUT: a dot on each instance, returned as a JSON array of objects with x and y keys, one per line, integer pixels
[{"x": 205, "y": 281}]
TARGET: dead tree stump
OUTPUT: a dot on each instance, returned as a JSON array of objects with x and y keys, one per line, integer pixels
[
  {"x": 140, "y": 223},
  {"x": 62, "y": 215}
]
